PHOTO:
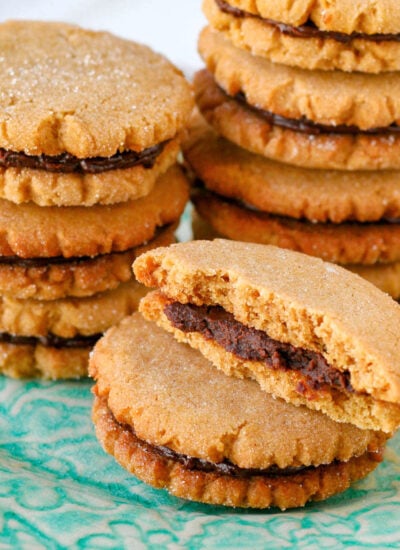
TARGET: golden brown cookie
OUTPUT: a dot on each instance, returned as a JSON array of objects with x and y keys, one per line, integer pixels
[
  {"x": 173, "y": 420},
  {"x": 330, "y": 98},
  {"x": 345, "y": 243},
  {"x": 306, "y": 47},
  {"x": 69, "y": 317},
  {"x": 53, "y": 339},
  {"x": 31, "y": 231},
  {"x": 385, "y": 276},
  {"x": 46, "y": 188},
  {"x": 79, "y": 277},
  {"x": 89, "y": 94},
  {"x": 316, "y": 195},
  {"x": 249, "y": 129},
  {"x": 343, "y": 16},
  {"x": 308, "y": 331}
]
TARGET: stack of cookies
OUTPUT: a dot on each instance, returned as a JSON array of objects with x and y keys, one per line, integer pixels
[
  {"x": 258, "y": 376},
  {"x": 303, "y": 99},
  {"x": 89, "y": 135}
]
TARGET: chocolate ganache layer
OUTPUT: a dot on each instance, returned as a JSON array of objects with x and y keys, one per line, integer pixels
[
  {"x": 306, "y": 126},
  {"x": 51, "y": 340},
  {"x": 214, "y": 323},
  {"x": 309, "y": 29},
  {"x": 67, "y": 163},
  {"x": 226, "y": 467},
  {"x": 222, "y": 468}
]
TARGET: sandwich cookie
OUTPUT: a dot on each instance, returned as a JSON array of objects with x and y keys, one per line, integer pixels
[
  {"x": 85, "y": 100},
  {"x": 316, "y": 195},
  {"x": 337, "y": 101},
  {"x": 304, "y": 45},
  {"x": 59, "y": 277},
  {"x": 303, "y": 141},
  {"x": 308, "y": 331},
  {"x": 169, "y": 417},
  {"x": 58, "y": 184}
]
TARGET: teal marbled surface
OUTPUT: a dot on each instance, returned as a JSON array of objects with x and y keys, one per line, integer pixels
[{"x": 58, "y": 489}]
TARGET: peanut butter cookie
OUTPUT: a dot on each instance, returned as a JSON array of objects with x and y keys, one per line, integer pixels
[
  {"x": 250, "y": 129},
  {"x": 308, "y": 331},
  {"x": 84, "y": 93},
  {"x": 173, "y": 420}
]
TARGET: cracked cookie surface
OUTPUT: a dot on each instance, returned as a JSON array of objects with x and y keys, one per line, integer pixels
[
  {"x": 331, "y": 98},
  {"x": 90, "y": 94}
]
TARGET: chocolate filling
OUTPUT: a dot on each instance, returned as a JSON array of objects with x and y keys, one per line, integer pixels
[
  {"x": 226, "y": 467},
  {"x": 214, "y": 323},
  {"x": 67, "y": 163},
  {"x": 309, "y": 29},
  {"x": 222, "y": 468},
  {"x": 306, "y": 126},
  {"x": 51, "y": 340},
  {"x": 73, "y": 260}
]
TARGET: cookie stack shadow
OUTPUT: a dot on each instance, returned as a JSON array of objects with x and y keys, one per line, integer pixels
[
  {"x": 89, "y": 179},
  {"x": 302, "y": 145}
]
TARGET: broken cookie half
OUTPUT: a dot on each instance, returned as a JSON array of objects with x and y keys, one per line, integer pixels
[{"x": 307, "y": 331}]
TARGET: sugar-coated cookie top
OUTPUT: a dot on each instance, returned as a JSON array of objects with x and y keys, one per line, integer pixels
[
  {"x": 171, "y": 395},
  {"x": 295, "y": 298},
  {"x": 347, "y": 16},
  {"x": 66, "y": 89}
]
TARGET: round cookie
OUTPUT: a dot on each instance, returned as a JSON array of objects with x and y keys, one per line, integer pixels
[
  {"x": 164, "y": 396},
  {"x": 328, "y": 98},
  {"x": 316, "y": 195},
  {"x": 69, "y": 317},
  {"x": 345, "y": 243},
  {"x": 249, "y": 129},
  {"x": 86, "y": 93},
  {"x": 31, "y": 231},
  {"x": 80, "y": 277},
  {"x": 307, "y": 47},
  {"x": 344, "y": 16},
  {"x": 333, "y": 335},
  {"x": 46, "y": 188}
]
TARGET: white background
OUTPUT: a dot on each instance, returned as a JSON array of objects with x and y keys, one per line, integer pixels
[{"x": 168, "y": 26}]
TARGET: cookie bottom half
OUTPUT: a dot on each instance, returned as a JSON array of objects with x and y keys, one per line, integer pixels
[{"x": 253, "y": 491}]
